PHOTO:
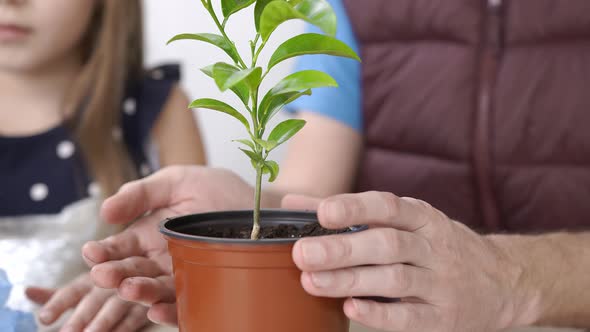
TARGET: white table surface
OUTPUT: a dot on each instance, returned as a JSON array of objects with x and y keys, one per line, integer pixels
[{"x": 356, "y": 328}]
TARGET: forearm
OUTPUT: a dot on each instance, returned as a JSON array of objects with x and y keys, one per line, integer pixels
[
  {"x": 553, "y": 284},
  {"x": 322, "y": 159}
]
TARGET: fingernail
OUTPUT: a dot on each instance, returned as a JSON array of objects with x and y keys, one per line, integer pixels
[
  {"x": 313, "y": 253},
  {"x": 362, "y": 308},
  {"x": 335, "y": 210},
  {"x": 322, "y": 279},
  {"x": 45, "y": 316}
]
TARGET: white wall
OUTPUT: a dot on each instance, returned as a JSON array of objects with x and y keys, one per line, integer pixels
[{"x": 166, "y": 18}]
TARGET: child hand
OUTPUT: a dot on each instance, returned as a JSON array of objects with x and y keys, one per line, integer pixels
[
  {"x": 95, "y": 309},
  {"x": 136, "y": 261}
]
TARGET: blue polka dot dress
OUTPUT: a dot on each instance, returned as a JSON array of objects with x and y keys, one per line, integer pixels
[{"x": 49, "y": 203}]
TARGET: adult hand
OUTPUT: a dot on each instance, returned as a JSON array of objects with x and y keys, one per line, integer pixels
[
  {"x": 449, "y": 279},
  {"x": 95, "y": 309},
  {"x": 136, "y": 261}
]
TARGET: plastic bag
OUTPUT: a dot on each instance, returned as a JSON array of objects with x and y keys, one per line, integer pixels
[{"x": 12, "y": 320}]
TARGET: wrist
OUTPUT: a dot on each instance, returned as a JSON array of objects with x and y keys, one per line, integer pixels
[{"x": 520, "y": 274}]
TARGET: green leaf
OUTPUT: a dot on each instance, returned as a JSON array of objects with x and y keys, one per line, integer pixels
[
  {"x": 255, "y": 165},
  {"x": 316, "y": 12},
  {"x": 253, "y": 156},
  {"x": 241, "y": 89},
  {"x": 303, "y": 80},
  {"x": 229, "y": 7},
  {"x": 311, "y": 43},
  {"x": 210, "y": 38},
  {"x": 258, "y": 9},
  {"x": 267, "y": 145},
  {"x": 208, "y": 70},
  {"x": 271, "y": 106},
  {"x": 220, "y": 106},
  {"x": 319, "y": 13},
  {"x": 285, "y": 130},
  {"x": 246, "y": 142},
  {"x": 291, "y": 88},
  {"x": 227, "y": 76},
  {"x": 273, "y": 169}
]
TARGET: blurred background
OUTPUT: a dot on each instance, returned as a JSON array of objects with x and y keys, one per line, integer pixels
[{"x": 164, "y": 19}]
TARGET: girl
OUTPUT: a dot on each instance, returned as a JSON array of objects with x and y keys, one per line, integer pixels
[{"x": 78, "y": 117}]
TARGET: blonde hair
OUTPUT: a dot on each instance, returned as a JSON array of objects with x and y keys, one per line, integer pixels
[{"x": 113, "y": 55}]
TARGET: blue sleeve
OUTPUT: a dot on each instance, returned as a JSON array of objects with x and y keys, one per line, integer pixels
[{"x": 343, "y": 103}]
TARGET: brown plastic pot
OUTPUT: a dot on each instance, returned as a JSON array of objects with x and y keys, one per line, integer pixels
[{"x": 231, "y": 285}]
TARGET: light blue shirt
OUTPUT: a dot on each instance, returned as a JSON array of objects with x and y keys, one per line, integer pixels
[{"x": 343, "y": 103}]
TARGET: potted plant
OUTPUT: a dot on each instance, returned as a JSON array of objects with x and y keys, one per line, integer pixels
[{"x": 233, "y": 269}]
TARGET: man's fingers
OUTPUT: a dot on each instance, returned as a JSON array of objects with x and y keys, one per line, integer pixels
[
  {"x": 136, "y": 198},
  {"x": 39, "y": 295},
  {"x": 163, "y": 314},
  {"x": 134, "y": 320},
  {"x": 377, "y": 246},
  {"x": 110, "y": 274},
  {"x": 376, "y": 209},
  {"x": 64, "y": 299},
  {"x": 300, "y": 202},
  {"x": 390, "y": 281},
  {"x": 110, "y": 314},
  {"x": 401, "y": 316},
  {"x": 148, "y": 291}
]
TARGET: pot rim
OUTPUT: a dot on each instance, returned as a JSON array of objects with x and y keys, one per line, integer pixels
[{"x": 289, "y": 216}]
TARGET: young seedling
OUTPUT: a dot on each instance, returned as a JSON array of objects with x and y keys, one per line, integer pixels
[{"x": 244, "y": 80}]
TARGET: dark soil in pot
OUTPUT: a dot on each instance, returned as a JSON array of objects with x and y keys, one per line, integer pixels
[
  {"x": 276, "y": 225},
  {"x": 280, "y": 231}
]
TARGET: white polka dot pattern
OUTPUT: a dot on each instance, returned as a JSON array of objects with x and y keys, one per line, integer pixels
[
  {"x": 130, "y": 106},
  {"x": 65, "y": 149},
  {"x": 56, "y": 175},
  {"x": 39, "y": 192},
  {"x": 158, "y": 74},
  {"x": 144, "y": 170},
  {"x": 94, "y": 190}
]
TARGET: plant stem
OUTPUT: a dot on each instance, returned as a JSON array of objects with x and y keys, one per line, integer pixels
[
  {"x": 253, "y": 45},
  {"x": 221, "y": 28},
  {"x": 259, "y": 166},
  {"x": 264, "y": 75},
  {"x": 256, "y": 228},
  {"x": 255, "y": 59},
  {"x": 255, "y": 113}
]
